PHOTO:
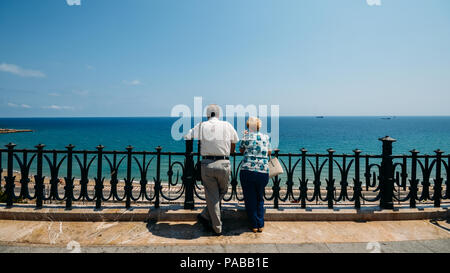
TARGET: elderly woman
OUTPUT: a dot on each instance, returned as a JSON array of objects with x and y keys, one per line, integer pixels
[{"x": 254, "y": 173}]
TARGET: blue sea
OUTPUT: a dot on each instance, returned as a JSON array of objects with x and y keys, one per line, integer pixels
[
  {"x": 343, "y": 134},
  {"x": 315, "y": 134}
]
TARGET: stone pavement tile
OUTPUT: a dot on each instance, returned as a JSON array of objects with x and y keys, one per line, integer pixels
[
  {"x": 98, "y": 249},
  {"x": 199, "y": 249},
  {"x": 253, "y": 248},
  {"x": 442, "y": 246},
  {"x": 117, "y": 249},
  {"x": 15, "y": 249},
  {"x": 437, "y": 246},
  {"x": 349, "y": 247},
  {"x": 303, "y": 248},
  {"x": 382, "y": 247},
  {"x": 404, "y": 247},
  {"x": 32, "y": 249}
]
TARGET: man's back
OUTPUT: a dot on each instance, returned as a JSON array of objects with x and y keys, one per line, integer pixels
[{"x": 216, "y": 137}]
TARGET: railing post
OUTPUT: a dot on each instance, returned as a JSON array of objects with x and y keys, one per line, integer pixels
[
  {"x": 38, "y": 178},
  {"x": 68, "y": 189},
  {"x": 54, "y": 177},
  {"x": 128, "y": 183},
  {"x": 357, "y": 181},
  {"x": 188, "y": 175},
  {"x": 304, "y": 181},
  {"x": 330, "y": 180},
  {"x": 9, "y": 187},
  {"x": 1, "y": 169},
  {"x": 158, "y": 176},
  {"x": 276, "y": 186},
  {"x": 290, "y": 178},
  {"x": 367, "y": 174},
  {"x": 99, "y": 179},
  {"x": 387, "y": 174},
  {"x": 413, "y": 182},
  {"x": 447, "y": 183},
  {"x": 437, "y": 195}
]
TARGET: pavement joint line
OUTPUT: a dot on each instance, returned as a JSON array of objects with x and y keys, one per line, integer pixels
[{"x": 328, "y": 247}]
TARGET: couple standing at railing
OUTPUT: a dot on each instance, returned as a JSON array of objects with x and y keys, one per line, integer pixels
[{"x": 218, "y": 140}]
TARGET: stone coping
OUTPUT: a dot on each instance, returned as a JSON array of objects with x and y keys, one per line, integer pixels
[
  {"x": 177, "y": 213},
  {"x": 425, "y": 246}
]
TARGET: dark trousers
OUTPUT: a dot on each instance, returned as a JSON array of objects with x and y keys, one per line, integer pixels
[{"x": 253, "y": 185}]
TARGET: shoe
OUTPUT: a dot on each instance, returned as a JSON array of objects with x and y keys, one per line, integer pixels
[
  {"x": 218, "y": 234},
  {"x": 254, "y": 230},
  {"x": 204, "y": 222},
  {"x": 260, "y": 229}
]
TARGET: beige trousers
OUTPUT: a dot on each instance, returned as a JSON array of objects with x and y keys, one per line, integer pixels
[{"x": 216, "y": 177}]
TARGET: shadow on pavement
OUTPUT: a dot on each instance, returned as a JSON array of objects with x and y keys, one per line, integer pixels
[
  {"x": 436, "y": 223},
  {"x": 187, "y": 231}
]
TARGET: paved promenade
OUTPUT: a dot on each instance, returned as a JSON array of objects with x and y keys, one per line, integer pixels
[
  {"x": 431, "y": 246},
  {"x": 179, "y": 237}
]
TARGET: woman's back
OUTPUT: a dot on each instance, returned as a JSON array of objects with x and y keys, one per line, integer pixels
[{"x": 256, "y": 154}]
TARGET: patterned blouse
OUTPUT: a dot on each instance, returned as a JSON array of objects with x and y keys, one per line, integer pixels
[{"x": 256, "y": 146}]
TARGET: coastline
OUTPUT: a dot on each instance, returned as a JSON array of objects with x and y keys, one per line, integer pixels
[{"x": 11, "y": 131}]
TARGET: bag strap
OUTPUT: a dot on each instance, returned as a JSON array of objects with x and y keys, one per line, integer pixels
[{"x": 199, "y": 138}]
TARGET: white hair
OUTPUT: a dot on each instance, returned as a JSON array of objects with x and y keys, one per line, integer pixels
[
  {"x": 254, "y": 123},
  {"x": 213, "y": 110}
]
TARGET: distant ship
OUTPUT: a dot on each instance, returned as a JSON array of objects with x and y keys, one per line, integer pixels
[
  {"x": 386, "y": 118},
  {"x": 319, "y": 117}
]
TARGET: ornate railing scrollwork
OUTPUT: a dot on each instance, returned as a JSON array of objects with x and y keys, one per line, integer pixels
[{"x": 350, "y": 179}]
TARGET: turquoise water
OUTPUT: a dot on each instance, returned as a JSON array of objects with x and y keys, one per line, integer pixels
[{"x": 343, "y": 134}]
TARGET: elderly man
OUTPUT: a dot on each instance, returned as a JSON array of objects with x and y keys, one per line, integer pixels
[{"x": 217, "y": 140}]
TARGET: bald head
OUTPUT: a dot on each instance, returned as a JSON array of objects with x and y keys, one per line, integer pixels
[{"x": 213, "y": 110}]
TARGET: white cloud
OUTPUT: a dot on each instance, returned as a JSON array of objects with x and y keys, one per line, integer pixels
[
  {"x": 10, "y": 104},
  {"x": 17, "y": 70},
  {"x": 54, "y": 94},
  {"x": 58, "y": 107},
  {"x": 90, "y": 67},
  {"x": 81, "y": 92},
  {"x": 373, "y": 2},
  {"x": 134, "y": 82}
]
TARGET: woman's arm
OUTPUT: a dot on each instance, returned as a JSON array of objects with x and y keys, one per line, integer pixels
[{"x": 242, "y": 146}]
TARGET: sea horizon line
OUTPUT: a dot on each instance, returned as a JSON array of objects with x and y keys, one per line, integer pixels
[{"x": 281, "y": 116}]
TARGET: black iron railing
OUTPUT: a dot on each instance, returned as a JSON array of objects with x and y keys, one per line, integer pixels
[{"x": 361, "y": 179}]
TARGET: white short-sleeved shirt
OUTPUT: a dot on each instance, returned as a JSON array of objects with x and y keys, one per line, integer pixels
[{"x": 216, "y": 137}]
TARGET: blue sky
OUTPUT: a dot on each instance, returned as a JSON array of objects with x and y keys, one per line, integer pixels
[{"x": 142, "y": 57}]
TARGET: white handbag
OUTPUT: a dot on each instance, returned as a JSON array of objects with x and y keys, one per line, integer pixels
[{"x": 274, "y": 167}]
